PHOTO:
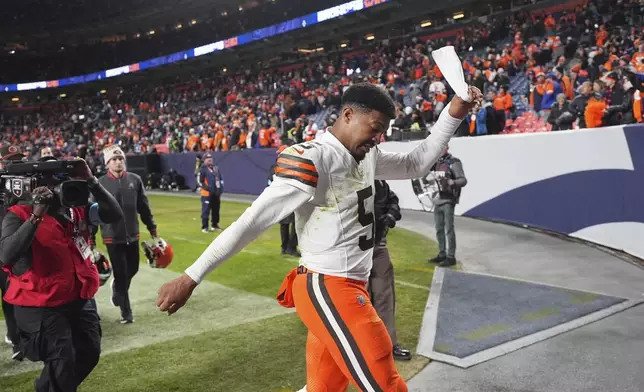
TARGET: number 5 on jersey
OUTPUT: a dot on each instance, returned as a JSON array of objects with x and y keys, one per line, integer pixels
[{"x": 365, "y": 218}]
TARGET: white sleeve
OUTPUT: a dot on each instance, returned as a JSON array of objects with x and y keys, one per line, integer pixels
[
  {"x": 274, "y": 204},
  {"x": 418, "y": 162}
]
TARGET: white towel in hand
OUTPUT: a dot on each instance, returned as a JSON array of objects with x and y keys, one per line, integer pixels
[{"x": 452, "y": 69}]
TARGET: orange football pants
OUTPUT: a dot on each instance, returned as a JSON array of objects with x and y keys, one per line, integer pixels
[{"x": 347, "y": 341}]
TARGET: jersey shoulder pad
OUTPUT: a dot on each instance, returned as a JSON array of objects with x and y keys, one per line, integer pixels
[
  {"x": 309, "y": 150},
  {"x": 300, "y": 163}
]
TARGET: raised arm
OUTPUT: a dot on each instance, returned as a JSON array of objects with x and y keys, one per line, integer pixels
[{"x": 418, "y": 162}]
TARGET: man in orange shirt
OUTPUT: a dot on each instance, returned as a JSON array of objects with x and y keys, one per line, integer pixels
[
  {"x": 596, "y": 106},
  {"x": 537, "y": 92},
  {"x": 549, "y": 23},
  {"x": 502, "y": 105},
  {"x": 566, "y": 84},
  {"x": 206, "y": 142},
  {"x": 193, "y": 141},
  {"x": 220, "y": 142},
  {"x": 638, "y": 112},
  {"x": 266, "y": 135},
  {"x": 601, "y": 36}
]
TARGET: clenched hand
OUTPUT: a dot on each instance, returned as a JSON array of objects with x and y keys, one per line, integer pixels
[
  {"x": 460, "y": 108},
  {"x": 81, "y": 170},
  {"x": 41, "y": 199}
]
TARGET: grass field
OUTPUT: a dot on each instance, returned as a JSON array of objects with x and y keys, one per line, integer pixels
[{"x": 231, "y": 336}]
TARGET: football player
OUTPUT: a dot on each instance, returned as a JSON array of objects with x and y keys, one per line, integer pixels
[{"x": 328, "y": 183}]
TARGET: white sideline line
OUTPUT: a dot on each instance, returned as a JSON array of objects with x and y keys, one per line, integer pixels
[
  {"x": 430, "y": 317},
  {"x": 189, "y": 240}
]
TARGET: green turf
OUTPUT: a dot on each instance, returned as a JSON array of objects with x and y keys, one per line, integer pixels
[{"x": 264, "y": 355}]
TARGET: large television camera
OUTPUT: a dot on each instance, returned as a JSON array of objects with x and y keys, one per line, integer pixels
[{"x": 18, "y": 180}]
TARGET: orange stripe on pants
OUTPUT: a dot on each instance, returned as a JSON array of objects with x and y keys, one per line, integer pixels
[{"x": 347, "y": 341}]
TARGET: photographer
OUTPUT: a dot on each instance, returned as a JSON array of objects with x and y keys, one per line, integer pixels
[
  {"x": 122, "y": 237},
  {"x": 451, "y": 179},
  {"x": 9, "y": 154},
  {"x": 52, "y": 276}
]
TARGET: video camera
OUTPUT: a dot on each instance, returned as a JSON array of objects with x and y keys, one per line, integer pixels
[{"x": 18, "y": 180}]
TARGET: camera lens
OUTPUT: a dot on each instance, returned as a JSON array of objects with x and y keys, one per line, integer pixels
[
  {"x": 71, "y": 194},
  {"x": 74, "y": 193}
]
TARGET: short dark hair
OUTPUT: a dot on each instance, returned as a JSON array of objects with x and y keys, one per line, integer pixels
[{"x": 368, "y": 96}]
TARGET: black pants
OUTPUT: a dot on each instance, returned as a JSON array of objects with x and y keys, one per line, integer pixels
[
  {"x": 125, "y": 264},
  {"x": 7, "y": 310},
  {"x": 289, "y": 236},
  {"x": 210, "y": 209},
  {"x": 66, "y": 338},
  {"x": 500, "y": 121}
]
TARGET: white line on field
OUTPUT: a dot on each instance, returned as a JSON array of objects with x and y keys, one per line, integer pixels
[
  {"x": 416, "y": 286},
  {"x": 190, "y": 240}
]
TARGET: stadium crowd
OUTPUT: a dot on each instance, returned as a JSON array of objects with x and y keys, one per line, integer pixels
[{"x": 576, "y": 68}]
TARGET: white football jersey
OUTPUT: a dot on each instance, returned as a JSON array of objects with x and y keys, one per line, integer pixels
[
  {"x": 335, "y": 228},
  {"x": 332, "y": 196}
]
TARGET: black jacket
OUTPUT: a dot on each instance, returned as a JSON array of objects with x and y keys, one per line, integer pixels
[
  {"x": 621, "y": 109},
  {"x": 578, "y": 107},
  {"x": 559, "y": 123},
  {"x": 386, "y": 211},
  {"x": 129, "y": 192}
]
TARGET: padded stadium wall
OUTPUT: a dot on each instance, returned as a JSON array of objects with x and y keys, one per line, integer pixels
[
  {"x": 244, "y": 172},
  {"x": 586, "y": 184}
]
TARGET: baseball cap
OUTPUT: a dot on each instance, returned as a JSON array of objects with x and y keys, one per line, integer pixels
[
  {"x": 11, "y": 152},
  {"x": 207, "y": 155}
]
